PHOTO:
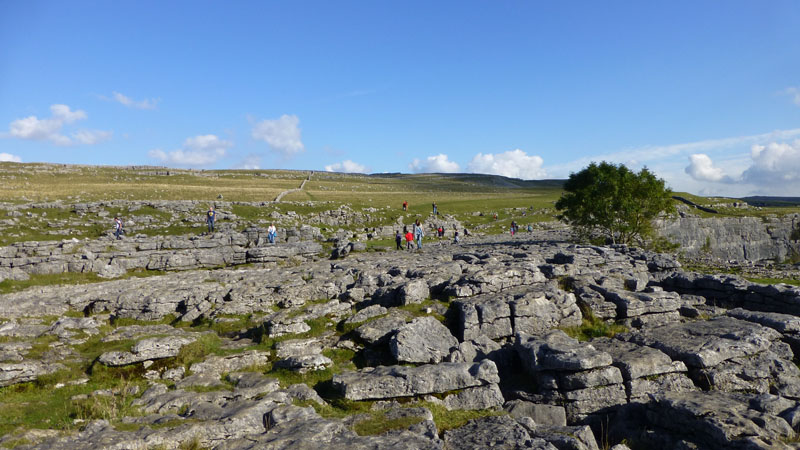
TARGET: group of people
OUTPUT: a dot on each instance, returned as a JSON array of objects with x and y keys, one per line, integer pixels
[
  {"x": 411, "y": 236},
  {"x": 415, "y": 235},
  {"x": 211, "y": 218}
]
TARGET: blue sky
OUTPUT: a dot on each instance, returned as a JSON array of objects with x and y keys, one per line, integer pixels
[{"x": 705, "y": 94}]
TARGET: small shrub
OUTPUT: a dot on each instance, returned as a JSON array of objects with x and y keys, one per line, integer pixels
[{"x": 706, "y": 248}]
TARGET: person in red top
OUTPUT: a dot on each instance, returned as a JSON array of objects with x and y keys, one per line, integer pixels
[{"x": 409, "y": 240}]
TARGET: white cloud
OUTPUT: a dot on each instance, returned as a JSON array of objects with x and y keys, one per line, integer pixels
[
  {"x": 513, "y": 164},
  {"x": 434, "y": 164},
  {"x": 282, "y": 135},
  {"x": 200, "y": 150},
  {"x": 148, "y": 103},
  {"x": 794, "y": 93},
  {"x": 346, "y": 166},
  {"x": 91, "y": 137},
  {"x": 775, "y": 168},
  {"x": 49, "y": 129},
  {"x": 250, "y": 162},
  {"x": 702, "y": 169},
  {"x": 8, "y": 157},
  {"x": 650, "y": 154}
]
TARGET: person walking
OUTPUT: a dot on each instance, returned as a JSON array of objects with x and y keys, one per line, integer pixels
[
  {"x": 419, "y": 233},
  {"x": 118, "y": 228},
  {"x": 435, "y": 210},
  {"x": 405, "y": 206},
  {"x": 271, "y": 232},
  {"x": 211, "y": 216},
  {"x": 409, "y": 239},
  {"x": 398, "y": 239},
  {"x": 456, "y": 240}
]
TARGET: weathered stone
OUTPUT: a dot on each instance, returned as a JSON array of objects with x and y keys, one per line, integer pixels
[
  {"x": 22, "y": 372},
  {"x": 481, "y": 397},
  {"x": 381, "y": 328},
  {"x": 399, "y": 381},
  {"x": 414, "y": 291},
  {"x": 589, "y": 378},
  {"x": 557, "y": 351},
  {"x": 366, "y": 313},
  {"x": 424, "y": 340},
  {"x": 636, "y": 361},
  {"x": 572, "y": 438},
  {"x": 784, "y": 323},
  {"x": 707, "y": 343},
  {"x": 728, "y": 419},
  {"x": 305, "y": 363},
  {"x": 146, "y": 349},
  {"x": 540, "y": 413},
  {"x": 217, "y": 365},
  {"x": 501, "y": 432}
]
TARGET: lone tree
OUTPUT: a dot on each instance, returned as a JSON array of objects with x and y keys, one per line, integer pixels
[{"x": 615, "y": 202}]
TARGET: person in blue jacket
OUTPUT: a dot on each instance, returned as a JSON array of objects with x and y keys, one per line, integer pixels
[{"x": 419, "y": 233}]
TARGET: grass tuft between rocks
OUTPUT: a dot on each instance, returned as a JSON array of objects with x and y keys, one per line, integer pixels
[{"x": 593, "y": 327}]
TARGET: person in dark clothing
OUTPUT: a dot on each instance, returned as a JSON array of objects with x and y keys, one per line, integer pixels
[
  {"x": 211, "y": 216},
  {"x": 398, "y": 239}
]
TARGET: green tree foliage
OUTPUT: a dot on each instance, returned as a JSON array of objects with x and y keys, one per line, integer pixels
[{"x": 614, "y": 202}]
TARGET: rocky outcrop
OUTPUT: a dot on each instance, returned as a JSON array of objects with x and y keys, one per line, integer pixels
[
  {"x": 111, "y": 258},
  {"x": 734, "y": 238}
]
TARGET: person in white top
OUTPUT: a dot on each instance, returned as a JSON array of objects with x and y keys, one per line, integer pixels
[{"x": 271, "y": 232}]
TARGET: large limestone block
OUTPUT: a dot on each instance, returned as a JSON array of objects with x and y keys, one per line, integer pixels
[
  {"x": 717, "y": 419},
  {"x": 636, "y": 361},
  {"x": 536, "y": 313},
  {"x": 382, "y": 328},
  {"x": 484, "y": 315},
  {"x": 414, "y": 291},
  {"x": 589, "y": 378},
  {"x": 475, "y": 398},
  {"x": 424, "y": 340},
  {"x": 500, "y": 432},
  {"x": 708, "y": 343},
  {"x": 557, "y": 351},
  {"x": 217, "y": 365},
  {"x": 147, "y": 349},
  {"x": 384, "y": 382},
  {"x": 784, "y": 323},
  {"x": 542, "y": 414},
  {"x": 22, "y": 372}
]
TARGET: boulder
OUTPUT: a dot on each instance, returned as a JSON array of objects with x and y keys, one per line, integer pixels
[{"x": 423, "y": 340}]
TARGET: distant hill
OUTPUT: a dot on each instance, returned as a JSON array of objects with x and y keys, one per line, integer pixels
[
  {"x": 495, "y": 181},
  {"x": 772, "y": 201}
]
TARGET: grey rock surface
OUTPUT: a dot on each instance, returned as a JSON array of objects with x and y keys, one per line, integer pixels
[
  {"x": 400, "y": 381},
  {"x": 146, "y": 349},
  {"x": 730, "y": 379},
  {"x": 423, "y": 340}
]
